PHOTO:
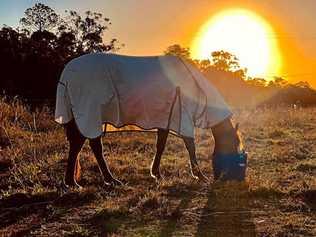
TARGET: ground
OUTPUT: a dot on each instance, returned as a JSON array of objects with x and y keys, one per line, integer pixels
[{"x": 278, "y": 199}]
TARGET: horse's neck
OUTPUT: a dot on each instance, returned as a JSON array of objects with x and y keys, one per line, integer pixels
[{"x": 226, "y": 138}]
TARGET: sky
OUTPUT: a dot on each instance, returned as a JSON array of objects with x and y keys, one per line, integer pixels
[{"x": 148, "y": 27}]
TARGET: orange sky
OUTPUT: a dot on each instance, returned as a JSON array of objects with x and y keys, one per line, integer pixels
[
  {"x": 158, "y": 26},
  {"x": 147, "y": 27}
]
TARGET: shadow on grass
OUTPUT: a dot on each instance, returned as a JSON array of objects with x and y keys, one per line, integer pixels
[
  {"x": 23, "y": 208},
  {"x": 226, "y": 212},
  {"x": 107, "y": 222},
  {"x": 172, "y": 222}
]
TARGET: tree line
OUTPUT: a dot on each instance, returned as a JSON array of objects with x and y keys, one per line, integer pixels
[
  {"x": 239, "y": 89},
  {"x": 34, "y": 54}
]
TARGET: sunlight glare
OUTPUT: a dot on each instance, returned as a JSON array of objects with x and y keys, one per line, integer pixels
[{"x": 244, "y": 34}]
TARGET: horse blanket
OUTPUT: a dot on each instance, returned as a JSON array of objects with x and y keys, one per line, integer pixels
[{"x": 149, "y": 92}]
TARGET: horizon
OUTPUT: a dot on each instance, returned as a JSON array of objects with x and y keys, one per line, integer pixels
[{"x": 295, "y": 31}]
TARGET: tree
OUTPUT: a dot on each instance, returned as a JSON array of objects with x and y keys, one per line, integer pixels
[
  {"x": 66, "y": 46},
  {"x": 225, "y": 61},
  {"x": 44, "y": 38},
  {"x": 302, "y": 84},
  {"x": 203, "y": 64},
  {"x": 179, "y": 51},
  {"x": 241, "y": 73},
  {"x": 257, "y": 82},
  {"x": 278, "y": 82},
  {"x": 88, "y": 31},
  {"x": 34, "y": 56},
  {"x": 39, "y": 18}
]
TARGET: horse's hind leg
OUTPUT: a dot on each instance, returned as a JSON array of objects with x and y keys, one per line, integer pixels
[
  {"x": 162, "y": 136},
  {"x": 96, "y": 146},
  {"x": 76, "y": 141},
  {"x": 195, "y": 169}
]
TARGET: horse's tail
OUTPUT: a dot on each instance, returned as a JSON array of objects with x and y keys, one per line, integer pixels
[{"x": 77, "y": 170}]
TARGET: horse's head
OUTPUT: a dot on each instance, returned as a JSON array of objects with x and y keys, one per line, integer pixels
[
  {"x": 230, "y": 159},
  {"x": 228, "y": 139}
]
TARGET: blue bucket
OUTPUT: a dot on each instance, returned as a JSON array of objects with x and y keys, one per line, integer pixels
[{"x": 230, "y": 167}]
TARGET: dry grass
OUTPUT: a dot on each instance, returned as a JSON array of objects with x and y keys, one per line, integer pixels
[{"x": 279, "y": 198}]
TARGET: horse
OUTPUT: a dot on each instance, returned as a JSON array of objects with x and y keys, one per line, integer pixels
[{"x": 161, "y": 92}]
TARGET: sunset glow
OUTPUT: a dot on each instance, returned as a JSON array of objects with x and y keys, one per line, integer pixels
[{"x": 244, "y": 34}]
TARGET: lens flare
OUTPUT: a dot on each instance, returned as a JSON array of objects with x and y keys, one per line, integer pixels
[{"x": 244, "y": 34}]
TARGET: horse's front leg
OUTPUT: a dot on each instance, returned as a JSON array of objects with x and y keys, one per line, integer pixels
[
  {"x": 97, "y": 148},
  {"x": 195, "y": 169},
  {"x": 162, "y": 136}
]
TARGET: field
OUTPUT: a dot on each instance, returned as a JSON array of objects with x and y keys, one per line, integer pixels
[{"x": 278, "y": 199}]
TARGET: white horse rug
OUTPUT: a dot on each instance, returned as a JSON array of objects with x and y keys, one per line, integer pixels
[{"x": 149, "y": 92}]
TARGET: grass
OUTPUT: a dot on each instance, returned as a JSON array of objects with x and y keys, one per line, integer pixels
[{"x": 278, "y": 199}]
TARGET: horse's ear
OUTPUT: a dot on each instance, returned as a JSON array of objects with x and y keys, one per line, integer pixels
[{"x": 237, "y": 127}]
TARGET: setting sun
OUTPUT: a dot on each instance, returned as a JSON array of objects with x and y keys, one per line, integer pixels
[{"x": 244, "y": 34}]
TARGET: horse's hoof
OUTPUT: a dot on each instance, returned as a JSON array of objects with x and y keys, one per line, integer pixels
[
  {"x": 201, "y": 177},
  {"x": 197, "y": 174},
  {"x": 67, "y": 186},
  {"x": 117, "y": 182},
  {"x": 155, "y": 174},
  {"x": 113, "y": 182},
  {"x": 157, "y": 179},
  {"x": 72, "y": 183},
  {"x": 78, "y": 187},
  {"x": 63, "y": 188}
]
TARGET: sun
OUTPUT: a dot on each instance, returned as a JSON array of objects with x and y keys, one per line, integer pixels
[{"x": 244, "y": 34}]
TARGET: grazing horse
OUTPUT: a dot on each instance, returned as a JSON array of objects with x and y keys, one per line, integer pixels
[{"x": 163, "y": 93}]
